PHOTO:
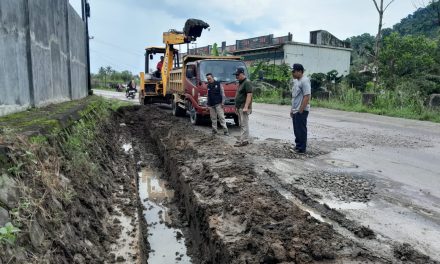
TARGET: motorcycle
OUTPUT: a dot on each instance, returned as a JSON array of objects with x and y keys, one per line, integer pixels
[{"x": 131, "y": 94}]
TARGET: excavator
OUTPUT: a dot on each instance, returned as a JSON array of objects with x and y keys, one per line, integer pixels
[
  {"x": 153, "y": 87},
  {"x": 184, "y": 84}
]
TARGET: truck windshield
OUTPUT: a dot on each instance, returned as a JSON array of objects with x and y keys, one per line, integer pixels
[{"x": 222, "y": 70}]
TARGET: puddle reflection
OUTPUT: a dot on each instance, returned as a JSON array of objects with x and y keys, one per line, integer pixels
[{"x": 166, "y": 243}]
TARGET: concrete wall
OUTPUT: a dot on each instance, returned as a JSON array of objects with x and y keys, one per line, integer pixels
[
  {"x": 42, "y": 51},
  {"x": 78, "y": 62},
  {"x": 14, "y": 80},
  {"x": 316, "y": 59}
]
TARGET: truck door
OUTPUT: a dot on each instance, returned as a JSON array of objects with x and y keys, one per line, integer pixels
[{"x": 191, "y": 74}]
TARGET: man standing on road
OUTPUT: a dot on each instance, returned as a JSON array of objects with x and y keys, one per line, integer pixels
[
  {"x": 243, "y": 105},
  {"x": 301, "y": 92},
  {"x": 216, "y": 101}
]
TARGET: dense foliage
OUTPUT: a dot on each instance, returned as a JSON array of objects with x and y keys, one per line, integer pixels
[
  {"x": 408, "y": 71},
  {"x": 425, "y": 21},
  {"x": 108, "y": 77}
]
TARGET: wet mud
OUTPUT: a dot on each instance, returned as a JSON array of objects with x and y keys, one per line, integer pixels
[
  {"x": 73, "y": 208},
  {"x": 233, "y": 212}
]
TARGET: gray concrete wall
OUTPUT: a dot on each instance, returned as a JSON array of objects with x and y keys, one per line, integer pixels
[
  {"x": 14, "y": 82},
  {"x": 78, "y": 63},
  {"x": 42, "y": 51}
]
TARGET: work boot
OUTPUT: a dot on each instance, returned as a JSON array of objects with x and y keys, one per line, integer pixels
[
  {"x": 299, "y": 151},
  {"x": 242, "y": 144},
  {"x": 214, "y": 132},
  {"x": 226, "y": 133}
]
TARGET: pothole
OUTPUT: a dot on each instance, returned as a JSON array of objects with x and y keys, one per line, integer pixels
[
  {"x": 346, "y": 205},
  {"x": 341, "y": 163}
]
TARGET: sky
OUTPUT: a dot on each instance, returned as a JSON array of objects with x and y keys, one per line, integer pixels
[{"x": 121, "y": 29}]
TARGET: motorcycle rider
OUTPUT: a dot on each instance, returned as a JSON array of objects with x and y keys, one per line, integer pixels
[{"x": 131, "y": 86}]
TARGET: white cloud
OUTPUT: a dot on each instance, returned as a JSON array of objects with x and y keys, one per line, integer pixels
[{"x": 123, "y": 28}]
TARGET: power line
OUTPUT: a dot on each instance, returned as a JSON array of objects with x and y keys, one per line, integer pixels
[
  {"x": 111, "y": 60},
  {"x": 119, "y": 48}
]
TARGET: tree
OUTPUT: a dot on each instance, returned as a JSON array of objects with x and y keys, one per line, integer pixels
[
  {"x": 433, "y": 8},
  {"x": 103, "y": 74},
  {"x": 407, "y": 57},
  {"x": 126, "y": 76},
  {"x": 214, "y": 50},
  {"x": 381, "y": 10},
  {"x": 424, "y": 21},
  {"x": 109, "y": 71}
]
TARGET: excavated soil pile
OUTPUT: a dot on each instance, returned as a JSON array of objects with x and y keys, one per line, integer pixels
[
  {"x": 63, "y": 201},
  {"x": 232, "y": 215}
]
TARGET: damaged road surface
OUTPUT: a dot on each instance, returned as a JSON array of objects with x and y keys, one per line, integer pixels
[{"x": 241, "y": 205}]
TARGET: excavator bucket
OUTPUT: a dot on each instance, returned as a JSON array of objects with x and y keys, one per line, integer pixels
[{"x": 193, "y": 28}]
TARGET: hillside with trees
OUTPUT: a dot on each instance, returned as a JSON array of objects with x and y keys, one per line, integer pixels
[
  {"x": 425, "y": 21},
  {"x": 401, "y": 70}
]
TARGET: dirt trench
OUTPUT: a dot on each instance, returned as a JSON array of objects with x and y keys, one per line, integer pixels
[
  {"x": 234, "y": 215},
  {"x": 229, "y": 206},
  {"x": 69, "y": 193}
]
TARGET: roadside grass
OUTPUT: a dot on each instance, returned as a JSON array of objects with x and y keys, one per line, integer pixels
[
  {"x": 387, "y": 104},
  {"x": 49, "y": 118},
  {"x": 8, "y": 233},
  {"x": 37, "y": 160},
  {"x": 408, "y": 112},
  {"x": 271, "y": 97}
]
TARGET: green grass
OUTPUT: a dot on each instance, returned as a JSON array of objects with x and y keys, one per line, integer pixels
[
  {"x": 8, "y": 234},
  {"x": 387, "y": 104},
  {"x": 408, "y": 112},
  {"x": 271, "y": 97}
]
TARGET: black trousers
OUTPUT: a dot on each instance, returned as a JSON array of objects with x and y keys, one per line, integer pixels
[{"x": 300, "y": 129}]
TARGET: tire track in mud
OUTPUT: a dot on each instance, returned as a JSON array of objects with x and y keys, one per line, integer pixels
[{"x": 233, "y": 215}]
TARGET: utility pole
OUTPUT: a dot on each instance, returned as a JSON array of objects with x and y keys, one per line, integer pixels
[{"x": 85, "y": 16}]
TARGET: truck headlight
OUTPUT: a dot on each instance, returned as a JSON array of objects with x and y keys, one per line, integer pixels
[{"x": 203, "y": 100}]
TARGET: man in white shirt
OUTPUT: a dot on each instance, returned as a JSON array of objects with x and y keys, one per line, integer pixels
[{"x": 301, "y": 93}]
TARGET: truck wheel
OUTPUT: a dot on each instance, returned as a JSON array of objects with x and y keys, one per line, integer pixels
[
  {"x": 195, "y": 118},
  {"x": 177, "y": 111},
  {"x": 236, "y": 121}
]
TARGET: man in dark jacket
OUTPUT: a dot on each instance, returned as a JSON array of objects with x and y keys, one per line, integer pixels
[{"x": 216, "y": 101}]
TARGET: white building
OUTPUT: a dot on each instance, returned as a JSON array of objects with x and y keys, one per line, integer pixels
[
  {"x": 323, "y": 54},
  {"x": 317, "y": 58}
]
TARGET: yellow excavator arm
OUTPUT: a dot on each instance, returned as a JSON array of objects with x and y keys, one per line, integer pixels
[{"x": 192, "y": 30}]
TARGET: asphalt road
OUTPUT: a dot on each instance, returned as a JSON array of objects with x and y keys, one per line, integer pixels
[
  {"x": 400, "y": 157},
  {"x": 115, "y": 95}
]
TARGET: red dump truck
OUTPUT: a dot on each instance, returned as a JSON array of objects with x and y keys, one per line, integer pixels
[{"x": 188, "y": 85}]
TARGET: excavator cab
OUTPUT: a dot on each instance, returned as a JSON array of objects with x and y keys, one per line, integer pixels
[{"x": 151, "y": 86}]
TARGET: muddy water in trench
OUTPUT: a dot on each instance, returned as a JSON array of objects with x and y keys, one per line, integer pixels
[{"x": 167, "y": 243}]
